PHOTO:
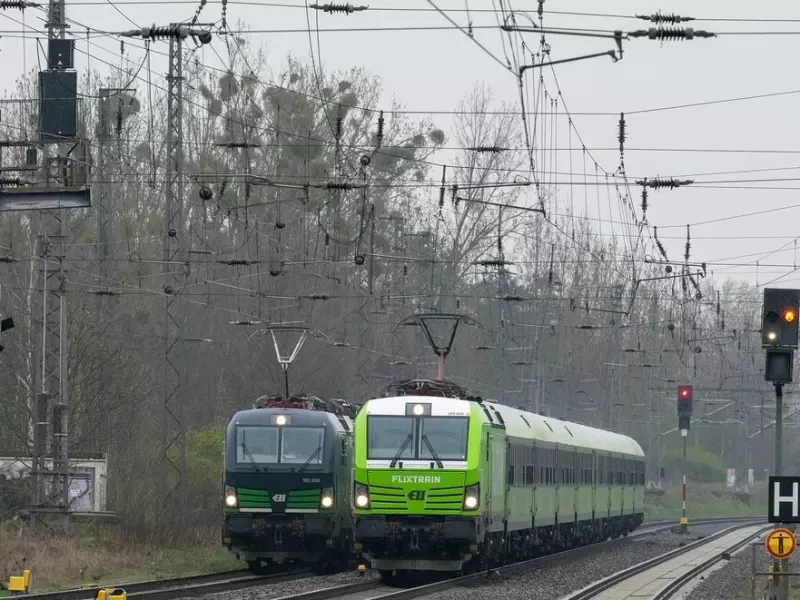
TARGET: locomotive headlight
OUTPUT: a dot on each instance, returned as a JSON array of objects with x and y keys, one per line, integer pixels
[
  {"x": 362, "y": 496},
  {"x": 230, "y": 497},
  {"x": 327, "y": 498},
  {"x": 472, "y": 497}
]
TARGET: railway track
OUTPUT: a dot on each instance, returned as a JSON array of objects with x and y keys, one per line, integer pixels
[
  {"x": 662, "y": 577},
  {"x": 169, "y": 589},
  {"x": 377, "y": 591},
  {"x": 165, "y": 589}
]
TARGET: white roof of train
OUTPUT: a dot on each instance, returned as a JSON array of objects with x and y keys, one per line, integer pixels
[{"x": 558, "y": 432}]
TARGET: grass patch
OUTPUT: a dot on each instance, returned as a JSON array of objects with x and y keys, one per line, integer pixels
[
  {"x": 702, "y": 501},
  {"x": 106, "y": 555}
]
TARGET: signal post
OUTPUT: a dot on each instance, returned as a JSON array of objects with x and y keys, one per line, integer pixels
[
  {"x": 684, "y": 423},
  {"x": 779, "y": 337}
]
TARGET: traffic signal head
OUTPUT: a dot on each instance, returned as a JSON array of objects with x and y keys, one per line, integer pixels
[
  {"x": 779, "y": 324},
  {"x": 684, "y": 401}
]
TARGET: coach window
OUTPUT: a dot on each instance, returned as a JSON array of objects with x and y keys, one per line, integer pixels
[{"x": 527, "y": 477}]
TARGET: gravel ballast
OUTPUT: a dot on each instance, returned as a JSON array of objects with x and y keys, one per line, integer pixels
[
  {"x": 541, "y": 583},
  {"x": 270, "y": 591},
  {"x": 553, "y": 581}
]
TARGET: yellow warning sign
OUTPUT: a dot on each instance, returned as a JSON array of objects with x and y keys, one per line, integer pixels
[{"x": 781, "y": 543}]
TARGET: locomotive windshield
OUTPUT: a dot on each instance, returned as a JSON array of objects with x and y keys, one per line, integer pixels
[
  {"x": 279, "y": 445},
  {"x": 421, "y": 438}
]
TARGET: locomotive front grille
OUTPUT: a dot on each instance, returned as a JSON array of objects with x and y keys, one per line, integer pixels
[
  {"x": 447, "y": 499},
  {"x": 249, "y": 498},
  {"x": 387, "y": 498},
  {"x": 303, "y": 499}
]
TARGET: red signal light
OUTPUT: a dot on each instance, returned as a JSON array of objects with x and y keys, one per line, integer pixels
[{"x": 684, "y": 392}]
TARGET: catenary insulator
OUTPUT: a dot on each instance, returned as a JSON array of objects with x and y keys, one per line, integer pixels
[
  {"x": 381, "y": 125},
  {"x": 671, "y": 34},
  {"x": 660, "y": 18},
  {"x": 487, "y": 149},
  {"x": 18, "y": 4},
  {"x": 661, "y": 183},
  {"x": 338, "y": 8}
]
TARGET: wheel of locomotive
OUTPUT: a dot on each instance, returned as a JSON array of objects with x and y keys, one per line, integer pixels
[
  {"x": 327, "y": 564},
  {"x": 387, "y": 576},
  {"x": 260, "y": 568}
]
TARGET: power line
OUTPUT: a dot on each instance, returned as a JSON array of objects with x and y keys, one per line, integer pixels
[{"x": 447, "y": 9}]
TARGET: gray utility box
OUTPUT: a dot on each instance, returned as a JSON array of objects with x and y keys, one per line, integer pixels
[{"x": 58, "y": 105}]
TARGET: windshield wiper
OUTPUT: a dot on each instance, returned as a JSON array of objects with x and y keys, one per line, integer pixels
[
  {"x": 247, "y": 453},
  {"x": 399, "y": 452},
  {"x": 432, "y": 451},
  {"x": 309, "y": 459}
]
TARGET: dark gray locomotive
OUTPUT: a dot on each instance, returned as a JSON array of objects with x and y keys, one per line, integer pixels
[{"x": 288, "y": 482}]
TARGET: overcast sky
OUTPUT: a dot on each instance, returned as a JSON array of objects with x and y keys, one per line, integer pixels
[{"x": 433, "y": 70}]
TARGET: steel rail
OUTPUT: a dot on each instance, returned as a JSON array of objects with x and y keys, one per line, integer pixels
[
  {"x": 176, "y": 587},
  {"x": 596, "y": 588},
  {"x": 337, "y": 591},
  {"x": 680, "y": 582}
]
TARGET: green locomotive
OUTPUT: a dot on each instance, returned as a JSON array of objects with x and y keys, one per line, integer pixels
[
  {"x": 287, "y": 483},
  {"x": 443, "y": 482}
]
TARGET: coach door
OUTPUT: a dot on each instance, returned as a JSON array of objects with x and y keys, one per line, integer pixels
[
  {"x": 496, "y": 466},
  {"x": 594, "y": 483}
]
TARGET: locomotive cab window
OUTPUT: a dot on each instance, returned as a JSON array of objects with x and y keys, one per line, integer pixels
[
  {"x": 260, "y": 445},
  {"x": 417, "y": 438},
  {"x": 446, "y": 436},
  {"x": 257, "y": 445},
  {"x": 302, "y": 444},
  {"x": 390, "y": 437}
]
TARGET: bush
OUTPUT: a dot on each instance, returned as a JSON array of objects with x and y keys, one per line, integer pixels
[
  {"x": 204, "y": 454},
  {"x": 14, "y": 496},
  {"x": 700, "y": 465}
]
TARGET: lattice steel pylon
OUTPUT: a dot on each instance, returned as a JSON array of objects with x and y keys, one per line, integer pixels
[
  {"x": 50, "y": 490},
  {"x": 177, "y": 267},
  {"x": 174, "y": 474}
]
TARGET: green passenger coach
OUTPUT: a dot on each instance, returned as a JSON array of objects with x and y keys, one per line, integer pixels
[{"x": 447, "y": 483}]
